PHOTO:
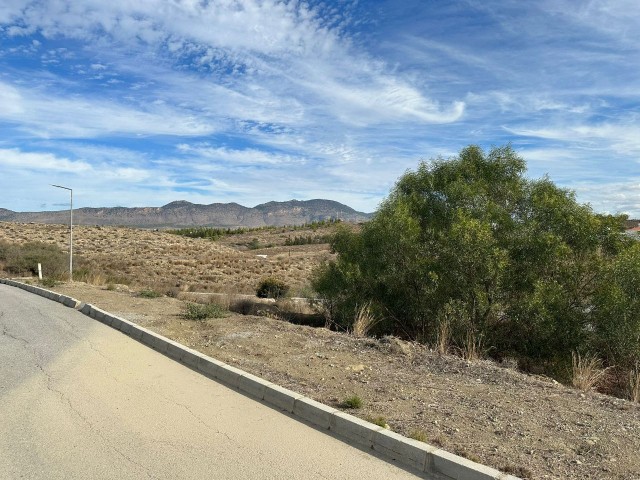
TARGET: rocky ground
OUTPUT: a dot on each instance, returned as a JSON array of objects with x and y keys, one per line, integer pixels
[{"x": 526, "y": 425}]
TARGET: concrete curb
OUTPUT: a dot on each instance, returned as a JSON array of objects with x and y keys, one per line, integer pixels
[{"x": 436, "y": 463}]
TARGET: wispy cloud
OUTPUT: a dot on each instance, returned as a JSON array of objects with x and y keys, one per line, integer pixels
[{"x": 42, "y": 115}]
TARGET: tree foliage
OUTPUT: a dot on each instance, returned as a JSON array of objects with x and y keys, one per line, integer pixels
[{"x": 471, "y": 241}]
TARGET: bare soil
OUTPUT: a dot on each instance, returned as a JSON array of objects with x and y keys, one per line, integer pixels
[{"x": 526, "y": 425}]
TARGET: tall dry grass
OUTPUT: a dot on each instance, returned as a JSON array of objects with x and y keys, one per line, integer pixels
[
  {"x": 586, "y": 371},
  {"x": 364, "y": 320},
  {"x": 634, "y": 383}
]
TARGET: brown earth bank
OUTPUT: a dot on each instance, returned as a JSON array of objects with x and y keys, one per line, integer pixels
[{"x": 526, "y": 425}]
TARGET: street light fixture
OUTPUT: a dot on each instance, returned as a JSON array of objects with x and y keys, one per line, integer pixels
[{"x": 70, "y": 231}]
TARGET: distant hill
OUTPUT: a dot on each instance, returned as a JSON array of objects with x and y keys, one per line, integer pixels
[{"x": 185, "y": 214}]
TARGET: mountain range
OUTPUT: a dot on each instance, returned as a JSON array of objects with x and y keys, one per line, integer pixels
[{"x": 181, "y": 214}]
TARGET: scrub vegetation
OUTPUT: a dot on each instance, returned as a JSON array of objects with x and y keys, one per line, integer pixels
[{"x": 470, "y": 256}]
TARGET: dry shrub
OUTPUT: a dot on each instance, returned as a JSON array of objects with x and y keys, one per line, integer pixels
[
  {"x": 586, "y": 372},
  {"x": 473, "y": 346},
  {"x": 443, "y": 340},
  {"x": 243, "y": 306},
  {"x": 634, "y": 383},
  {"x": 363, "y": 321}
]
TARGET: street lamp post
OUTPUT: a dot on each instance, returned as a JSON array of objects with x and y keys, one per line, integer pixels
[{"x": 70, "y": 231}]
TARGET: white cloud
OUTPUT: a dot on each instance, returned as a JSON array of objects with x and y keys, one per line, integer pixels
[
  {"x": 249, "y": 156},
  {"x": 15, "y": 159},
  {"x": 612, "y": 197},
  {"x": 268, "y": 40},
  {"x": 622, "y": 138},
  {"x": 45, "y": 116}
]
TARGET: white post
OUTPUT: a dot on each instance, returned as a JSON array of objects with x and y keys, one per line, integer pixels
[{"x": 40, "y": 271}]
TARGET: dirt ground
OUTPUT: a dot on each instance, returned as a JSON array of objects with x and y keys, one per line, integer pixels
[{"x": 526, "y": 425}]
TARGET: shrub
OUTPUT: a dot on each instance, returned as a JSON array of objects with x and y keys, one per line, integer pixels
[
  {"x": 24, "y": 259},
  {"x": 254, "y": 244},
  {"x": 353, "y": 402},
  {"x": 272, "y": 288},
  {"x": 200, "y": 312},
  {"x": 419, "y": 435},
  {"x": 149, "y": 293},
  {"x": 470, "y": 252},
  {"x": 49, "y": 282},
  {"x": 379, "y": 421}
]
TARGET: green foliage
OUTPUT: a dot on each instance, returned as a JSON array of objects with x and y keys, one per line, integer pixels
[
  {"x": 149, "y": 293},
  {"x": 254, "y": 244},
  {"x": 213, "y": 233},
  {"x": 207, "y": 232},
  {"x": 24, "y": 259},
  {"x": 307, "y": 240},
  {"x": 353, "y": 402},
  {"x": 515, "y": 262},
  {"x": 617, "y": 312},
  {"x": 49, "y": 282},
  {"x": 272, "y": 288},
  {"x": 378, "y": 420},
  {"x": 201, "y": 312},
  {"x": 419, "y": 435}
]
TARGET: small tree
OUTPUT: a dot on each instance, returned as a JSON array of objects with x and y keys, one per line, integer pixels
[
  {"x": 520, "y": 259},
  {"x": 272, "y": 288}
]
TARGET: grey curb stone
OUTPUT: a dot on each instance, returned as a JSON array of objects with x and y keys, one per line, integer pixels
[
  {"x": 314, "y": 412},
  {"x": 210, "y": 366},
  {"x": 229, "y": 375},
  {"x": 281, "y": 397},
  {"x": 156, "y": 342},
  {"x": 135, "y": 331},
  {"x": 254, "y": 386},
  {"x": 114, "y": 321},
  {"x": 355, "y": 429},
  {"x": 459, "y": 468},
  {"x": 101, "y": 316},
  {"x": 437, "y": 463},
  {"x": 124, "y": 327},
  {"x": 406, "y": 450},
  {"x": 174, "y": 350},
  {"x": 190, "y": 358},
  {"x": 68, "y": 301}
]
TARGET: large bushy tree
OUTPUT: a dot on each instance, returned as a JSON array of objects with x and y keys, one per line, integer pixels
[{"x": 472, "y": 242}]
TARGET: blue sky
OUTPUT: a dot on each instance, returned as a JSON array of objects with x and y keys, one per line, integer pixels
[{"x": 142, "y": 103}]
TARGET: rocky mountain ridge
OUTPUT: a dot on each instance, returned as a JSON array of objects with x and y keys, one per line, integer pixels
[{"x": 181, "y": 214}]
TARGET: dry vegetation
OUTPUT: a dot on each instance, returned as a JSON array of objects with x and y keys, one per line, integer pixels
[
  {"x": 527, "y": 425},
  {"x": 170, "y": 263}
]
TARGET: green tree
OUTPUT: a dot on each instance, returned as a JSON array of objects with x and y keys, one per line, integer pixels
[
  {"x": 517, "y": 261},
  {"x": 617, "y": 316}
]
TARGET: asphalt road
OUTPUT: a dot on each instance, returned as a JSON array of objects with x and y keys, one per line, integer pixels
[{"x": 79, "y": 400}]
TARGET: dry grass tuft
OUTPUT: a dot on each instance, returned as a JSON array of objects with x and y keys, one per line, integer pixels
[
  {"x": 586, "y": 371},
  {"x": 363, "y": 321},
  {"x": 473, "y": 347},
  {"x": 443, "y": 341},
  {"x": 634, "y": 383}
]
